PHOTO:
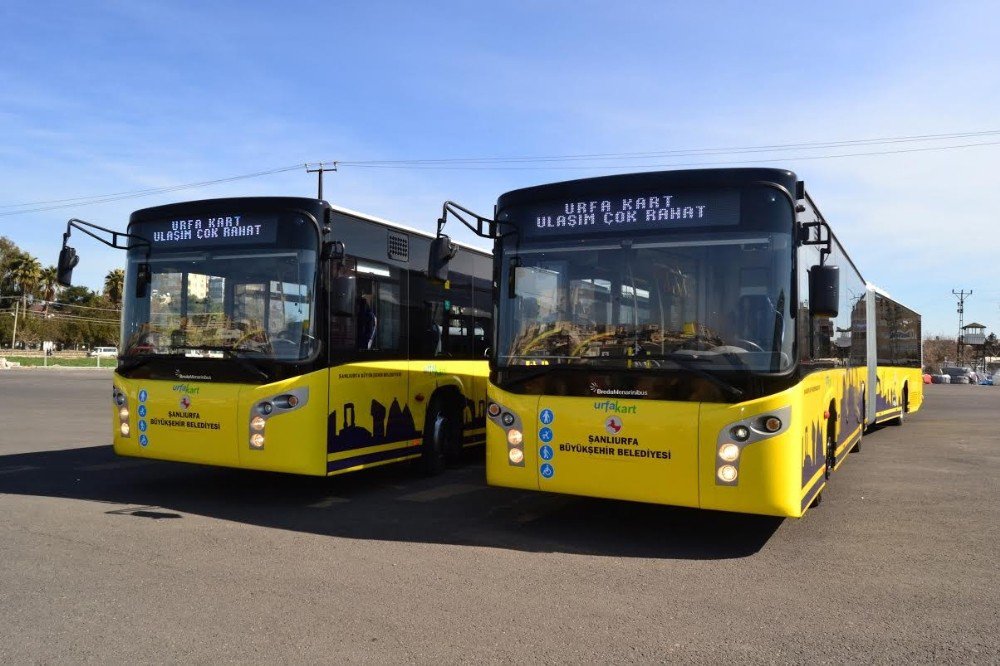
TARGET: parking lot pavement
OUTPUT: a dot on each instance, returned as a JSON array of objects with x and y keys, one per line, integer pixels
[{"x": 108, "y": 559}]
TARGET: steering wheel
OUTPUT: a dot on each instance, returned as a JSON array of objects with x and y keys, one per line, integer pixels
[{"x": 749, "y": 344}]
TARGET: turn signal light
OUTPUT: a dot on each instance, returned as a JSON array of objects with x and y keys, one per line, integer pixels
[
  {"x": 493, "y": 410},
  {"x": 772, "y": 424}
]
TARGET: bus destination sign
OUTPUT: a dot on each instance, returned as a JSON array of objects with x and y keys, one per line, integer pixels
[
  {"x": 648, "y": 211},
  {"x": 211, "y": 230}
]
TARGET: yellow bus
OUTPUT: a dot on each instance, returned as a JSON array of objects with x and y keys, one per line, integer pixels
[
  {"x": 290, "y": 335},
  {"x": 695, "y": 338}
]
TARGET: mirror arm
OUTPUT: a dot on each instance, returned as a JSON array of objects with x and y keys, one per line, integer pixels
[
  {"x": 115, "y": 241},
  {"x": 805, "y": 232},
  {"x": 483, "y": 227}
]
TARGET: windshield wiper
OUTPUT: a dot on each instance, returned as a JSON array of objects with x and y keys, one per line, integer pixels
[
  {"x": 686, "y": 363},
  {"x": 232, "y": 351}
]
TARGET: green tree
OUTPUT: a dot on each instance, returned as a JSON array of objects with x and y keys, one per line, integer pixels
[
  {"x": 25, "y": 272},
  {"x": 114, "y": 285},
  {"x": 48, "y": 286}
]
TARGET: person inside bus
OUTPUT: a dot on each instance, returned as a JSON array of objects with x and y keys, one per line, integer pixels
[
  {"x": 754, "y": 319},
  {"x": 367, "y": 322}
]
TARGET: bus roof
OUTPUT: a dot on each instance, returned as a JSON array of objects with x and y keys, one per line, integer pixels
[
  {"x": 167, "y": 210},
  {"x": 600, "y": 185},
  {"x": 403, "y": 227}
]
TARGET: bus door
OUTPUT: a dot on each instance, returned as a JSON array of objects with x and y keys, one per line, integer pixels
[{"x": 370, "y": 419}]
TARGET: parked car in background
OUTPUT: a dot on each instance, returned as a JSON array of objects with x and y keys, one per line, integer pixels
[
  {"x": 985, "y": 379},
  {"x": 103, "y": 352},
  {"x": 961, "y": 375},
  {"x": 940, "y": 379}
]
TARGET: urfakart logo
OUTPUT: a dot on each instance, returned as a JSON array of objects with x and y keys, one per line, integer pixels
[
  {"x": 628, "y": 393},
  {"x": 613, "y": 425},
  {"x": 186, "y": 388},
  {"x": 613, "y": 406}
]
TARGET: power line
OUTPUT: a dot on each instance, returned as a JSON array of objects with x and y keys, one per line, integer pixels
[
  {"x": 788, "y": 158},
  {"x": 57, "y": 204},
  {"x": 682, "y": 152}
]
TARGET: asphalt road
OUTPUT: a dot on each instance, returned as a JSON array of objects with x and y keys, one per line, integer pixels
[{"x": 113, "y": 560}]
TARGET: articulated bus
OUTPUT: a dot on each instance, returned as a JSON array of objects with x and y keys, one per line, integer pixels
[
  {"x": 289, "y": 335},
  {"x": 695, "y": 338}
]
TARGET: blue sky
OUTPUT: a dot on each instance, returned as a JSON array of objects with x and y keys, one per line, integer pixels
[{"x": 103, "y": 97}]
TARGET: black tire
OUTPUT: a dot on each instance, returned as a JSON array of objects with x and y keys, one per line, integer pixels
[
  {"x": 899, "y": 420},
  {"x": 442, "y": 436},
  {"x": 816, "y": 500},
  {"x": 861, "y": 433}
]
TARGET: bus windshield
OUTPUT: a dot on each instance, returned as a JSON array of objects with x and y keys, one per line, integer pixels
[
  {"x": 219, "y": 302},
  {"x": 718, "y": 299}
]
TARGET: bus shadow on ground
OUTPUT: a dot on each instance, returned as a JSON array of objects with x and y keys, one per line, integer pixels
[{"x": 392, "y": 503}]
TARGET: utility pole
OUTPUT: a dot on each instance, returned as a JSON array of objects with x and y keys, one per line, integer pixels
[
  {"x": 13, "y": 336},
  {"x": 961, "y": 321},
  {"x": 319, "y": 175}
]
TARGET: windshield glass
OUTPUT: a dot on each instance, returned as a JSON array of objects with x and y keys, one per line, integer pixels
[
  {"x": 222, "y": 302},
  {"x": 718, "y": 299}
]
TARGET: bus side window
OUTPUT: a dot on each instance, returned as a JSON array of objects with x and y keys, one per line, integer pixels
[{"x": 343, "y": 288}]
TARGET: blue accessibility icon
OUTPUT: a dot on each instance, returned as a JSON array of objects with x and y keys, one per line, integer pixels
[
  {"x": 143, "y": 395},
  {"x": 142, "y": 411},
  {"x": 546, "y": 452},
  {"x": 545, "y": 434},
  {"x": 143, "y": 440},
  {"x": 142, "y": 426},
  {"x": 546, "y": 417},
  {"x": 547, "y": 471}
]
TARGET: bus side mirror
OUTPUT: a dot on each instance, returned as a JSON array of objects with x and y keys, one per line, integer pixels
[
  {"x": 333, "y": 251},
  {"x": 143, "y": 277},
  {"x": 824, "y": 291},
  {"x": 68, "y": 260},
  {"x": 342, "y": 295},
  {"x": 442, "y": 251}
]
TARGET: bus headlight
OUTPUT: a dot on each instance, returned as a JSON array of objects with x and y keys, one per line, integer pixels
[
  {"x": 124, "y": 429},
  {"x": 729, "y": 452},
  {"x": 123, "y": 413},
  {"x": 515, "y": 437},
  {"x": 727, "y": 473},
  {"x": 257, "y": 423},
  {"x": 257, "y": 441},
  {"x": 740, "y": 433},
  {"x": 516, "y": 456}
]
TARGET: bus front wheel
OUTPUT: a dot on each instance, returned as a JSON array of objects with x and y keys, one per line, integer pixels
[{"x": 441, "y": 436}]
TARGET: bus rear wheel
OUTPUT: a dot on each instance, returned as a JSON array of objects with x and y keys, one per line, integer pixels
[{"x": 905, "y": 407}]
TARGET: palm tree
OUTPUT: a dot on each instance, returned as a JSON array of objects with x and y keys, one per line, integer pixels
[
  {"x": 114, "y": 286},
  {"x": 48, "y": 283},
  {"x": 25, "y": 272}
]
